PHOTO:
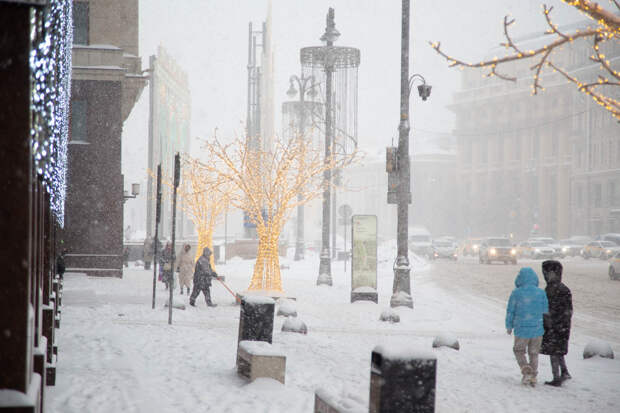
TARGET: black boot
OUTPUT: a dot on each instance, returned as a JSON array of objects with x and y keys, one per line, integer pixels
[
  {"x": 187, "y": 290},
  {"x": 556, "y": 382}
]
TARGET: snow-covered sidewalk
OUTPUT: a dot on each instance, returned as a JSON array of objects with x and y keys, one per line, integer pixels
[{"x": 117, "y": 354}]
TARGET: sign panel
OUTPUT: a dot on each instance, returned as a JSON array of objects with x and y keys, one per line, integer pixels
[{"x": 364, "y": 246}]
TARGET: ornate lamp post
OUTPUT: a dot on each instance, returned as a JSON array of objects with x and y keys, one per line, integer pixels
[
  {"x": 337, "y": 66},
  {"x": 401, "y": 169},
  {"x": 306, "y": 86}
]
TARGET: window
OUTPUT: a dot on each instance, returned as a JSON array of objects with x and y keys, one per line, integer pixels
[
  {"x": 611, "y": 193},
  {"x": 80, "y": 22},
  {"x": 500, "y": 149},
  {"x": 554, "y": 143},
  {"x": 79, "y": 117},
  {"x": 484, "y": 151},
  {"x": 597, "y": 192},
  {"x": 579, "y": 196},
  {"x": 517, "y": 148}
]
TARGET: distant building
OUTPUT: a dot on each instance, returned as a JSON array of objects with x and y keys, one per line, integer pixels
[
  {"x": 169, "y": 132},
  {"x": 107, "y": 81},
  {"x": 525, "y": 163}
]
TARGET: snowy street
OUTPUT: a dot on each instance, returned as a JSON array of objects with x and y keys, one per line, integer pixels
[{"x": 120, "y": 355}]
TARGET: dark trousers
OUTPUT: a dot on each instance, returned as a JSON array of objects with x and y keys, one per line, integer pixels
[
  {"x": 196, "y": 292},
  {"x": 558, "y": 366}
]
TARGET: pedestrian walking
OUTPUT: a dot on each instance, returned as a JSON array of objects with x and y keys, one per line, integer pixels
[
  {"x": 203, "y": 274},
  {"x": 126, "y": 256},
  {"x": 557, "y": 321},
  {"x": 185, "y": 268},
  {"x": 524, "y": 315},
  {"x": 147, "y": 252},
  {"x": 60, "y": 264},
  {"x": 165, "y": 261}
]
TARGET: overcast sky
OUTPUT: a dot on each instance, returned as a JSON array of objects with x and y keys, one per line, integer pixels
[{"x": 208, "y": 38}]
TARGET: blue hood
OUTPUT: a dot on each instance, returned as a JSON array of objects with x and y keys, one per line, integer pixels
[{"x": 527, "y": 276}]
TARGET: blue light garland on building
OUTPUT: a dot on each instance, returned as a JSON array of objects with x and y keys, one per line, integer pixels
[{"x": 50, "y": 67}]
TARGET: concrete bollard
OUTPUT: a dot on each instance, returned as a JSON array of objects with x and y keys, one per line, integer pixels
[{"x": 402, "y": 380}]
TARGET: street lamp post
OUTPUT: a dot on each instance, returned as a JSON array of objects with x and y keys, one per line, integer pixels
[
  {"x": 305, "y": 86},
  {"x": 338, "y": 67},
  {"x": 402, "y": 283}
]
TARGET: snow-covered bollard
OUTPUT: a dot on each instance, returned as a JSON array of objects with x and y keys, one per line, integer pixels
[
  {"x": 324, "y": 279},
  {"x": 446, "y": 340},
  {"x": 598, "y": 348},
  {"x": 294, "y": 325},
  {"x": 260, "y": 359},
  {"x": 389, "y": 315},
  {"x": 364, "y": 293},
  {"x": 256, "y": 318},
  {"x": 286, "y": 308},
  {"x": 401, "y": 299},
  {"x": 402, "y": 380},
  {"x": 329, "y": 401}
]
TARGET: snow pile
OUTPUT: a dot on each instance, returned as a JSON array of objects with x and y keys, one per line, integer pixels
[
  {"x": 389, "y": 315},
  {"x": 403, "y": 351},
  {"x": 446, "y": 340},
  {"x": 260, "y": 348},
  {"x": 294, "y": 325},
  {"x": 175, "y": 304},
  {"x": 344, "y": 401},
  {"x": 598, "y": 348},
  {"x": 286, "y": 308},
  {"x": 257, "y": 299},
  {"x": 401, "y": 298}
]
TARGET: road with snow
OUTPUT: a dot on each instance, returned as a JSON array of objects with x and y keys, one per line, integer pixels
[{"x": 596, "y": 298}]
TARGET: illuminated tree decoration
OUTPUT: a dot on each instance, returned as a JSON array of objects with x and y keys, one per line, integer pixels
[
  {"x": 607, "y": 28},
  {"x": 50, "y": 67},
  {"x": 267, "y": 184},
  {"x": 204, "y": 196}
]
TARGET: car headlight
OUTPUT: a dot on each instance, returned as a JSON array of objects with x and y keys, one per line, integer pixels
[
  {"x": 493, "y": 251},
  {"x": 564, "y": 249},
  {"x": 475, "y": 247},
  {"x": 608, "y": 251},
  {"x": 537, "y": 250},
  {"x": 513, "y": 252}
]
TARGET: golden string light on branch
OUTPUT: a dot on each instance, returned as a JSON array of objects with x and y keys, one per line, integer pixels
[
  {"x": 269, "y": 185},
  {"x": 607, "y": 28}
]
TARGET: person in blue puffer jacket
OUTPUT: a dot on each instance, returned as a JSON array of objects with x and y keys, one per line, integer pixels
[{"x": 524, "y": 315}]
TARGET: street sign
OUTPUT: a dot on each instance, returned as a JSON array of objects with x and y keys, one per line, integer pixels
[{"x": 345, "y": 211}]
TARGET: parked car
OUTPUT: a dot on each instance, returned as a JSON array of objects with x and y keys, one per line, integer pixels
[
  {"x": 444, "y": 248},
  {"x": 497, "y": 249},
  {"x": 420, "y": 242},
  {"x": 550, "y": 242},
  {"x": 615, "y": 238},
  {"x": 600, "y": 249},
  {"x": 614, "y": 267},
  {"x": 471, "y": 246},
  {"x": 535, "y": 249},
  {"x": 571, "y": 247}
]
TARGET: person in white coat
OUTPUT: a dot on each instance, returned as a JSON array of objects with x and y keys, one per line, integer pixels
[{"x": 185, "y": 268}]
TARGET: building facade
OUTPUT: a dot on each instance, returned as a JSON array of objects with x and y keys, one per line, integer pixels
[
  {"x": 525, "y": 163},
  {"x": 107, "y": 81}
]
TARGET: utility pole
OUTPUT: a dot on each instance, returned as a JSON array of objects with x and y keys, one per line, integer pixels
[
  {"x": 177, "y": 175},
  {"x": 155, "y": 240},
  {"x": 402, "y": 284}
]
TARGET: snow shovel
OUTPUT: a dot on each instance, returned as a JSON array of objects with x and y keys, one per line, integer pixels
[{"x": 237, "y": 298}]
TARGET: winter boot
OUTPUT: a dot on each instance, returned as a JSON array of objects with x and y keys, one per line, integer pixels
[
  {"x": 181, "y": 290},
  {"x": 193, "y": 304},
  {"x": 187, "y": 290},
  {"x": 527, "y": 376},
  {"x": 556, "y": 382},
  {"x": 565, "y": 375}
]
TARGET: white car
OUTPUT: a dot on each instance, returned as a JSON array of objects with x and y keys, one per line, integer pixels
[
  {"x": 550, "y": 242},
  {"x": 614, "y": 267}
]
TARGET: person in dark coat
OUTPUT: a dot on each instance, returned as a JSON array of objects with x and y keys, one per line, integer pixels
[
  {"x": 60, "y": 264},
  {"x": 165, "y": 262},
  {"x": 557, "y": 321},
  {"x": 203, "y": 273}
]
